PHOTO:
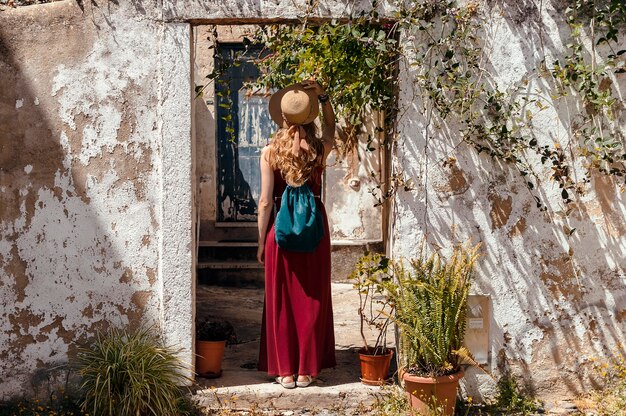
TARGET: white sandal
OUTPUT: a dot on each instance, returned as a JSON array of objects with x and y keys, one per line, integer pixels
[
  {"x": 305, "y": 383},
  {"x": 287, "y": 385}
]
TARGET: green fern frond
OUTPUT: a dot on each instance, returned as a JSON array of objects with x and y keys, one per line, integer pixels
[{"x": 431, "y": 309}]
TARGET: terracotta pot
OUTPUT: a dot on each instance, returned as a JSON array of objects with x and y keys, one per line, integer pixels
[
  {"x": 440, "y": 391},
  {"x": 374, "y": 368},
  {"x": 209, "y": 355}
]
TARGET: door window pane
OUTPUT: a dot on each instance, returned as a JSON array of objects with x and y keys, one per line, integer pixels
[{"x": 243, "y": 129}]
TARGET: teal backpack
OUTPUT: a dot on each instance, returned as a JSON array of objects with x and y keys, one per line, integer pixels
[{"x": 299, "y": 225}]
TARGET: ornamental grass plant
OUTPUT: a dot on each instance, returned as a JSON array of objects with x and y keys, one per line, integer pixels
[
  {"x": 131, "y": 373},
  {"x": 430, "y": 298}
]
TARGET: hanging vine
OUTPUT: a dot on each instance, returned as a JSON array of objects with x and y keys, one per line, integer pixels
[
  {"x": 353, "y": 61},
  {"x": 596, "y": 131},
  {"x": 441, "y": 45}
]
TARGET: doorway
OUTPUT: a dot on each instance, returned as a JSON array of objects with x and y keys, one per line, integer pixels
[{"x": 231, "y": 127}]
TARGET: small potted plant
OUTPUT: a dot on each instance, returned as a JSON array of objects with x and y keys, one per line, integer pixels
[
  {"x": 211, "y": 339},
  {"x": 369, "y": 276},
  {"x": 430, "y": 299}
]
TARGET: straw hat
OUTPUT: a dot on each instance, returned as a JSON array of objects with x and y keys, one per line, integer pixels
[{"x": 295, "y": 105}]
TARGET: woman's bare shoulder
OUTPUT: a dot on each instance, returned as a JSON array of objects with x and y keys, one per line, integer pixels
[{"x": 265, "y": 152}]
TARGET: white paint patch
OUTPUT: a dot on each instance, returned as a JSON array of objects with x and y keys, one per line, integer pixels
[
  {"x": 19, "y": 103},
  {"x": 65, "y": 144},
  {"x": 36, "y": 101},
  {"x": 73, "y": 257},
  {"x": 101, "y": 134}
]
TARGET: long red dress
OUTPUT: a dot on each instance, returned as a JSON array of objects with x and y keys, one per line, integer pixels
[{"x": 297, "y": 335}]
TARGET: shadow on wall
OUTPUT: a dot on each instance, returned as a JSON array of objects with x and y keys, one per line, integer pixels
[
  {"x": 77, "y": 180},
  {"x": 585, "y": 273},
  {"x": 558, "y": 299}
]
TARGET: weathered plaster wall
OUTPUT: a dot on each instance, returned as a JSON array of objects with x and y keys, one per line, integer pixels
[
  {"x": 557, "y": 301},
  {"x": 205, "y": 132},
  {"x": 96, "y": 166},
  {"x": 79, "y": 181},
  {"x": 177, "y": 200}
]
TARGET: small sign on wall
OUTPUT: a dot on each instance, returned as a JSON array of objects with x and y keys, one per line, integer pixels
[{"x": 477, "y": 329}]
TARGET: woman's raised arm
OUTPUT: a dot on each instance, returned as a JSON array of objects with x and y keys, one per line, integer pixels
[{"x": 328, "y": 114}]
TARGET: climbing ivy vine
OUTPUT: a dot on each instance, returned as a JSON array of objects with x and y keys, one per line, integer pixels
[{"x": 596, "y": 131}]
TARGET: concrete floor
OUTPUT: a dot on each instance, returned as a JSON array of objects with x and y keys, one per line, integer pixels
[
  {"x": 242, "y": 390},
  {"x": 242, "y": 387}
]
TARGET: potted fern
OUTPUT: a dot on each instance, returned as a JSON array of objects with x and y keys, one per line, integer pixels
[
  {"x": 370, "y": 275},
  {"x": 211, "y": 339},
  {"x": 430, "y": 299}
]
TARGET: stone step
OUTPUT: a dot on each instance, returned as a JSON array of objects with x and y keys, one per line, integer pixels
[
  {"x": 229, "y": 263},
  {"x": 234, "y": 264},
  {"x": 243, "y": 388},
  {"x": 227, "y": 251},
  {"x": 232, "y": 277},
  {"x": 227, "y": 243}
]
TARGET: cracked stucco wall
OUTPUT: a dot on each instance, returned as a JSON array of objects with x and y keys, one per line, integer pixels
[
  {"x": 558, "y": 301},
  {"x": 79, "y": 175},
  {"x": 96, "y": 180}
]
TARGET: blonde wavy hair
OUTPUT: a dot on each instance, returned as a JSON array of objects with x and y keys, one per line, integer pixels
[{"x": 296, "y": 169}]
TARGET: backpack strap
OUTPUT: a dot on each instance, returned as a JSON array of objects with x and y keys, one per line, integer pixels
[{"x": 278, "y": 199}]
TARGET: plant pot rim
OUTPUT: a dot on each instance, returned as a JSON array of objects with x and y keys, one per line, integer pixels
[
  {"x": 215, "y": 342},
  {"x": 363, "y": 351},
  {"x": 450, "y": 378},
  {"x": 376, "y": 382}
]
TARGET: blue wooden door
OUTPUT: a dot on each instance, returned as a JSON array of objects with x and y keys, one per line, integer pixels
[{"x": 243, "y": 129}]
